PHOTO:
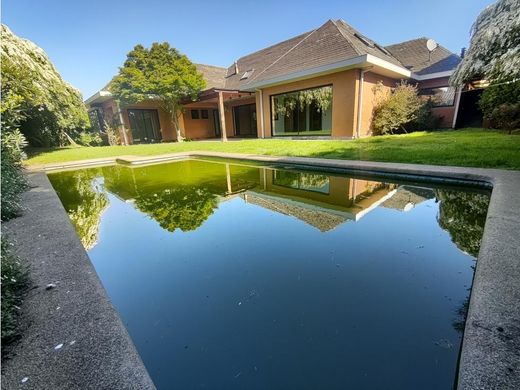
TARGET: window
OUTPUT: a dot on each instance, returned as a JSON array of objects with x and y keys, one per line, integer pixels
[
  {"x": 194, "y": 114},
  {"x": 302, "y": 181},
  {"x": 247, "y": 74},
  {"x": 306, "y": 112},
  {"x": 440, "y": 97},
  {"x": 145, "y": 125},
  {"x": 204, "y": 114}
]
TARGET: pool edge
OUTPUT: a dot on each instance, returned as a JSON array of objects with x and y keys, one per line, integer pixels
[{"x": 489, "y": 356}]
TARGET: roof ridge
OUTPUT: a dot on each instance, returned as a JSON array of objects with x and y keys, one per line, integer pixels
[
  {"x": 211, "y": 66},
  {"x": 347, "y": 38},
  {"x": 284, "y": 54}
]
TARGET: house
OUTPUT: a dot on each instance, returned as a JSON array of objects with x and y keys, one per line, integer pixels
[{"x": 322, "y": 83}]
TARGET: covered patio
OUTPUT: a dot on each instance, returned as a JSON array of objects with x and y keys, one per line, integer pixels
[{"x": 220, "y": 113}]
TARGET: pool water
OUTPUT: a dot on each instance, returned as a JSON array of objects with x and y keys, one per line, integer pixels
[{"x": 232, "y": 275}]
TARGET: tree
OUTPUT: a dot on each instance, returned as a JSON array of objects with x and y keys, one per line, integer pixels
[
  {"x": 160, "y": 73},
  {"x": 397, "y": 109},
  {"x": 45, "y": 108},
  {"x": 494, "y": 51}
]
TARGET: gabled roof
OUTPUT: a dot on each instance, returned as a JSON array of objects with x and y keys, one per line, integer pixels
[
  {"x": 214, "y": 75},
  {"x": 330, "y": 43},
  {"x": 415, "y": 56}
]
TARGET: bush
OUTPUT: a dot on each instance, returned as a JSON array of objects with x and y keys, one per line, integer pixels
[
  {"x": 89, "y": 139},
  {"x": 425, "y": 120},
  {"x": 499, "y": 105},
  {"x": 506, "y": 117},
  {"x": 13, "y": 182},
  {"x": 14, "y": 279},
  {"x": 399, "y": 108}
]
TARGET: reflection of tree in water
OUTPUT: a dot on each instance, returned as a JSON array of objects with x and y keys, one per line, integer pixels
[
  {"x": 84, "y": 199},
  {"x": 463, "y": 215},
  {"x": 183, "y": 207}
]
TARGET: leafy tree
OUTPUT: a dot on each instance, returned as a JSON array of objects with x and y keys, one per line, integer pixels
[
  {"x": 494, "y": 51},
  {"x": 43, "y": 106},
  {"x": 463, "y": 215},
  {"x": 160, "y": 73},
  {"x": 396, "y": 109},
  {"x": 180, "y": 207},
  {"x": 84, "y": 199}
]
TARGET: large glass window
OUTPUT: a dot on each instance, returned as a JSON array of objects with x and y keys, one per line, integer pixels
[
  {"x": 304, "y": 112},
  {"x": 302, "y": 181},
  {"x": 440, "y": 97}
]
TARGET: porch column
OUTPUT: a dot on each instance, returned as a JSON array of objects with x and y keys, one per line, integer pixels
[
  {"x": 228, "y": 179},
  {"x": 122, "y": 123},
  {"x": 222, "y": 116}
]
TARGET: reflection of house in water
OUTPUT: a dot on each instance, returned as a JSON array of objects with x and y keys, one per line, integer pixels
[
  {"x": 406, "y": 198},
  {"x": 189, "y": 187},
  {"x": 319, "y": 200}
]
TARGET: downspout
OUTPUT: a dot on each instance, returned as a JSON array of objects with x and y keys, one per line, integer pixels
[
  {"x": 360, "y": 99},
  {"x": 262, "y": 130}
]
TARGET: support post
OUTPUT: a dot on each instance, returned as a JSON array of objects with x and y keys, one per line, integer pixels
[
  {"x": 122, "y": 123},
  {"x": 222, "y": 116}
]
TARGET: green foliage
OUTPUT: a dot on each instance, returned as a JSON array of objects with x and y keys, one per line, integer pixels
[
  {"x": 321, "y": 97},
  {"x": 500, "y": 104},
  {"x": 425, "y": 120},
  {"x": 44, "y": 106},
  {"x": 397, "y": 109},
  {"x": 12, "y": 181},
  {"x": 494, "y": 51},
  {"x": 85, "y": 200},
  {"x": 88, "y": 138},
  {"x": 161, "y": 73},
  {"x": 463, "y": 215},
  {"x": 14, "y": 279},
  {"x": 180, "y": 207}
]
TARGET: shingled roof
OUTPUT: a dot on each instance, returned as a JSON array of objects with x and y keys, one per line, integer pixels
[
  {"x": 332, "y": 42},
  {"x": 415, "y": 56},
  {"x": 214, "y": 75}
]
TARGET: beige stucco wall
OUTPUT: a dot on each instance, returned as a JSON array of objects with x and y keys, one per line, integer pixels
[
  {"x": 372, "y": 92},
  {"x": 345, "y": 90},
  {"x": 343, "y": 100}
]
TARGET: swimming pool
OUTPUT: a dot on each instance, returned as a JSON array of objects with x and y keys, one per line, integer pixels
[{"x": 237, "y": 275}]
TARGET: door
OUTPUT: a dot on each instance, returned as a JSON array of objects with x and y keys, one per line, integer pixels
[
  {"x": 144, "y": 125},
  {"x": 244, "y": 119}
]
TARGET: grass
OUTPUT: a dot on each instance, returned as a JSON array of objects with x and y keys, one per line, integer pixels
[{"x": 468, "y": 147}]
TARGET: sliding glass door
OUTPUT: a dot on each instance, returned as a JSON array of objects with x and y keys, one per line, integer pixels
[
  {"x": 302, "y": 113},
  {"x": 144, "y": 125}
]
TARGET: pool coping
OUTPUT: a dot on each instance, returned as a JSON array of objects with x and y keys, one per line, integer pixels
[{"x": 490, "y": 355}]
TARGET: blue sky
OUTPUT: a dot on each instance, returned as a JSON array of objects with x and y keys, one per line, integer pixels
[{"x": 88, "y": 39}]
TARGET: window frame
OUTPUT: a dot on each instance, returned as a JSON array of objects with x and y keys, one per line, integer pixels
[
  {"x": 195, "y": 114},
  {"x": 307, "y": 133},
  {"x": 430, "y": 95}
]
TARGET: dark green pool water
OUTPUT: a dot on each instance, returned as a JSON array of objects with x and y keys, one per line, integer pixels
[{"x": 236, "y": 276}]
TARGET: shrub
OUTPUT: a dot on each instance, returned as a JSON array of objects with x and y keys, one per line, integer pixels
[
  {"x": 393, "y": 112},
  {"x": 12, "y": 181},
  {"x": 89, "y": 139},
  {"x": 14, "y": 278},
  {"x": 499, "y": 104},
  {"x": 425, "y": 119},
  {"x": 506, "y": 116}
]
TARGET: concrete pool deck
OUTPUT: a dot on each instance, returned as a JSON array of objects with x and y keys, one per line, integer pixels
[{"x": 490, "y": 356}]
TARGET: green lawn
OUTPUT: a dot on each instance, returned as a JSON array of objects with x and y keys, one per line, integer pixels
[{"x": 468, "y": 147}]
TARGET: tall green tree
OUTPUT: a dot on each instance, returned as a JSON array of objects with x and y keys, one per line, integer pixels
[
  {"x": 494, "y": 51},
  {"x": 160, "y": 73}
]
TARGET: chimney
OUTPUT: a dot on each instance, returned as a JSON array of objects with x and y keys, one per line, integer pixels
[
  {"x": 462, "y": 52},
  {"x": 236, "y": 67}
]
